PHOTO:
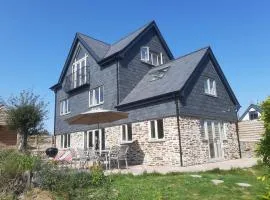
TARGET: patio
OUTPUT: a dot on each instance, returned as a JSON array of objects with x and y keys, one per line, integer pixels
[{"x": 224, "y": 165}]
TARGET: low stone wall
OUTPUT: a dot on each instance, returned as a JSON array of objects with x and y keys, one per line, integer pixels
[
  {"x": 248, "y": 148},
  {"x": 143, "y": 150}
]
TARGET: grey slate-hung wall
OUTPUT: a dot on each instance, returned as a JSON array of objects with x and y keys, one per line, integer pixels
[{"x": 127, "y": 87}]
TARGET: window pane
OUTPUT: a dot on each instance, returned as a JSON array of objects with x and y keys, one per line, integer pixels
[
  {"x": 91, "y": 97},
  {"x": 144, "y": 54},
  {"x": 67, "y": 106},
  {"x": 206, "y": 86},
  {"x": 124, "y": 133},
  {"x": 65, "y": 141},
  {"x": 154, "y": 59},
  {"x": 103, "y": 139},
  {"x": 90, "y": 140},
  {"x": 96, "y": 100},
  {"x": 160, "y": 129},
  {"x": 62, "y": 141},
  {"x": 129, "y": 132},
  {"x": 68, "y": 140},
  {"x": 152, "y": 126},
  {"x": 97, "y": 140},
  {"x": 101, "y": 94}
]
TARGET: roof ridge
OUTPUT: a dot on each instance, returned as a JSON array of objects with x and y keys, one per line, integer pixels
[
  {"x": 145, "y": 25},
  {"x": 94, "y": 38}
]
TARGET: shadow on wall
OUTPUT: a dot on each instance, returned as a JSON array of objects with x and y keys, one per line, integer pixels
[{"x": 135, "y": 154}]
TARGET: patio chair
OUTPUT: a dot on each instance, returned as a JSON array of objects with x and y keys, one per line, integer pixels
[
  {"x": 118, "y": 153},
  {"x": 92, "y": 156},
  {"x": 83, "y": 157}
]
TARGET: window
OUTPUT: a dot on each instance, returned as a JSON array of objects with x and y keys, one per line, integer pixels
[
  {"x": 210, "y": 87},
  {"x": 95, "y": 139},
  {"x": 214, "y": 129},
  {"x": 126, "y": 133},
  {"x": 156, "y": 129},
  {"x": 253, "y": 115},
  {"x": 158, "y": 74},
  {"x": 64, "y": 107},
  {"x": 96, "y": 96},
  {"x": 145, "y": 54},
  {"x": 79, "y": 72},
  {"x": 151, "y": 57},
  {"x": 65, "y": 141}
]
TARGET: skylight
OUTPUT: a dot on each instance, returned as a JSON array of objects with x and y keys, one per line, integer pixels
[{"x": 158, "y": 74}]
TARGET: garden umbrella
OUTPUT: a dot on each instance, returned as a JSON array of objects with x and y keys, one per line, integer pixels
[{"x": 97, "y": 117}]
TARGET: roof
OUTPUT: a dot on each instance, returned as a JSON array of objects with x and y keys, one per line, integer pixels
[
  {"x": 173, "y": 80},
  {"x": 254, "y": 106},
  {"x": 173, "y": 77},
  {"x": 102, "y": 51}
]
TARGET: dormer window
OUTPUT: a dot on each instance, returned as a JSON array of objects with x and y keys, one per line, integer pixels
[{"x": 151, "y": 57}]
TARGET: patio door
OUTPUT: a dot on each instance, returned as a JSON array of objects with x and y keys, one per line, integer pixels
[
  {"x": 214, "y": 140},
  {"x": 95, "y": 139}
]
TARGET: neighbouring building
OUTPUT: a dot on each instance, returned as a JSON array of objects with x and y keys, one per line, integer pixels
[
  {"x": 182, "y": 111},
  {"x": 251, "y": 129},
  {"x": 8, "y": 138},
  {"x": 253, "y": 112}
]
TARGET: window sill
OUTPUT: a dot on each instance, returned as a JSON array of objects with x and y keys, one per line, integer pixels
[
  {"x": 96, "y": 105},
  {"x": 156, "y": 140},
  {"x": 211, "y": 95},
  {"x": 126, "y": 142},
  {"x": 145, "y": 62},
  {"x": 65, "y": 114}
]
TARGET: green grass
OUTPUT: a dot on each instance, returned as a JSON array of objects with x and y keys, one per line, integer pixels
[{"x": 183, "y": 186}]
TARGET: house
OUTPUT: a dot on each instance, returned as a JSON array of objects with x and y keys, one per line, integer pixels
[
  {"x": 8, "y": 138},
  {"x": 253, "y": 112},
  {"x": 251, "y": 130},
  {"x": 182, "y": 111}
]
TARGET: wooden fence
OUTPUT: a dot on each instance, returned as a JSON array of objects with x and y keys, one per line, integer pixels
[{"x": 250, "y": 131}]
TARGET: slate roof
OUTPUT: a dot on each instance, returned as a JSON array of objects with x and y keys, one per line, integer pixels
[
  {"x": 179, "y": 71},
  {"x": 98, "y": 47},
  {"x": 124, "y": 42},
  {"x": 101, "y": 51},
  {"x": 256, "y": 107}
]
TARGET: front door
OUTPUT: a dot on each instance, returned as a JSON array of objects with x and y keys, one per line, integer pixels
[
  {"x": 214, "y": 140},
  {"x": 95, "y": 139}
]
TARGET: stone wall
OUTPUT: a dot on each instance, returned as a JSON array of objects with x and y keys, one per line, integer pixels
[
  {"x": 144, "y": 150},
  {"x": 248, "y": 148},
  {"x": 231, "y": 147}
]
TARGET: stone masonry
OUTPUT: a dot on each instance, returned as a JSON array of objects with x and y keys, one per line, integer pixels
[{"x": 144, "y": 150}]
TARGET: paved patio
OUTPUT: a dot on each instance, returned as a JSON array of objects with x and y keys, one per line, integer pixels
[{"x": 224, "y": 165}]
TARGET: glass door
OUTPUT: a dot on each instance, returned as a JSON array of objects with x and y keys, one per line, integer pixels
[{"x": 96, "y": 139}]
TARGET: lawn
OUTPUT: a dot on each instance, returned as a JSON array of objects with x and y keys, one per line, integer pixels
[{"x": 183, "y": 186}]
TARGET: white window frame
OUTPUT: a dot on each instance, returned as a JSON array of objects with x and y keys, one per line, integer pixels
[
  {"x": 147, "y": 58},
  {"x": 63, "y": 138},
  {"x": 92, "y": 132},
  {"x": 156, "y": 130},
  {"x": 92, "y": 103},
  {"x": 208, "y": 89},
  {"x": 126, "y": 133},
  {"x": 64, "y": 107},
  {"x": 222, "y": 127},
  {"x": 77, "y": 67}
]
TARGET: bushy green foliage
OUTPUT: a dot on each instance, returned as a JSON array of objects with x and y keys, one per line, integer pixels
[
  {"x": 25, "y": 114},
  {"x": 97, "y": 175},
  {"x": 13, "y": 163},
  {"x": 264, "y": 145}
]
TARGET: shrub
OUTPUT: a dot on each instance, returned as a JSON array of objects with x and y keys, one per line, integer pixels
[
  {"x": 97, "y": 175},
  {"x": 263, "y": 147},
  {"x": 13, "y": 166}
]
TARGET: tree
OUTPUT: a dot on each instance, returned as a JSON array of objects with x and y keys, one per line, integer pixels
[
  {"x": 26, "y": 114},
  {"x": 264, "y": 145}
]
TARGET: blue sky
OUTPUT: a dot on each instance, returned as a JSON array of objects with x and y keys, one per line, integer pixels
[{"x": 35, "y": 38}]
